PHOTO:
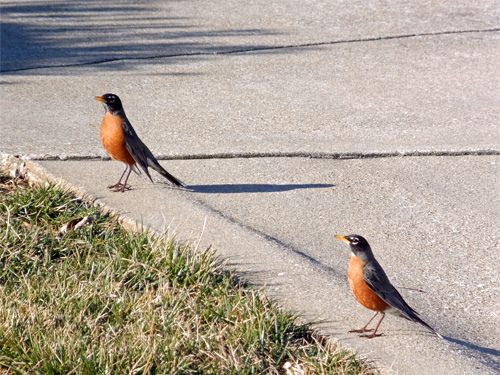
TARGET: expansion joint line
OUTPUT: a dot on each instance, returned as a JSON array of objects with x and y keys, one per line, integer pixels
[
  {"x": 254, "y": 49},
  {"x": 255, "y": 155}
]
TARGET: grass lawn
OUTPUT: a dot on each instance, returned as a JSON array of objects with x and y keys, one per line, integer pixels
[{"x": 102, "y": 300}]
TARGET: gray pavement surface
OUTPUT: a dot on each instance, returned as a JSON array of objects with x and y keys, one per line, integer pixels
[{"x": 291, "y": 121}]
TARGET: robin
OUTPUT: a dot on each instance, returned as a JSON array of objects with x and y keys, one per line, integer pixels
[
  {"x": 122, "y": 143},
  {"x": 372, "y": 288}
]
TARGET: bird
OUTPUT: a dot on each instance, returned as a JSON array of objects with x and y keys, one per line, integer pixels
[
  {"x": 122, "y": 143},
  {"x": 372, "y": 289}
]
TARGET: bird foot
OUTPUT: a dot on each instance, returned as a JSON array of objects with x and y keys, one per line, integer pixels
[
  {"x": 119, "y": 187},
  {"x": 372, "y": 335},
  {"x": 362, "y": 330}
]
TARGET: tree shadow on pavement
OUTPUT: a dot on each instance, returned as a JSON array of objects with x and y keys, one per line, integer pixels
[{"x": 45, "y": 34}]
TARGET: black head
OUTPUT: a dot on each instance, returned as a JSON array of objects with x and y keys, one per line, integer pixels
[
  {"x": 359, "y": 246},
  {"x": 112, "y": 102}
]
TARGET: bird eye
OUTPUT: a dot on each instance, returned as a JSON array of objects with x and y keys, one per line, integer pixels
[
  {"x": 111, "y": 99},
  {"x": 354, "y": 240}
]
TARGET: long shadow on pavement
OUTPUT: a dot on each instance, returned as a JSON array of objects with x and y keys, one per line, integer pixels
[
  {"x": 46, "y": 34},
  {"x": 493, "y": 352},
  {"x": 252, "y": 188}
]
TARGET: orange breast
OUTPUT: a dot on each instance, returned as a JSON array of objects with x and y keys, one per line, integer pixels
[
  {"x": 364, "y": 295},
  {"x": 113, "y": 139}
]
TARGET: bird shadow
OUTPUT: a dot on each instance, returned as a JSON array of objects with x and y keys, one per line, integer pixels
[
  {"x": 252, "y": 188},
  {"x": 469, "y": 345},
  {"x": 489, "y": 362}
]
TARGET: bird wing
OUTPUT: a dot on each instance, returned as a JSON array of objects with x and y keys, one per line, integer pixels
[
  {"x": 377, "y": 280},
  {"x": 139, "y": 151},
  {"x": 143, "y": 155}
]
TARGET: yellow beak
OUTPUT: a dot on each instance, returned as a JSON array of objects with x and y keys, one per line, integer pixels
[
  {"x": 100, "y": 98},
  {"x": 342, "y": 238}
]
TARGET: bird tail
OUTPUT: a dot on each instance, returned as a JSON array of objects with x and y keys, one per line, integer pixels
[
  {"x": 412, "y": 315},
  {"x": 428, "y": 327},
  {"x": 157, "y": 167},
  {"x": 136, "y": 170}
]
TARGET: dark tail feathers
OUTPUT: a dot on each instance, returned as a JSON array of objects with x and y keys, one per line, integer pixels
[{"x": 158, "y": 168}]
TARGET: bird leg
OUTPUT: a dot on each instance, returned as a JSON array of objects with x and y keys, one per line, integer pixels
[
  {"x": 119, "y": 186},
  {"x": 374, "y": 334},
  {"x": 119, "y": 183},
  {"x": 364, "y": 329}
]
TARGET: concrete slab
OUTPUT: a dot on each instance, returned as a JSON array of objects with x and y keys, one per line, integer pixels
[
  {"x": 432, "y": 222},
  {"x": 419, "y": 94},
  {"x": 37, "y": 34},
  {"x": 332, "y": 80}
]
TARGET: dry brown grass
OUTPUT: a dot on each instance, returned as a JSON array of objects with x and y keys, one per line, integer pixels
[{"x": 101, "y": 300}]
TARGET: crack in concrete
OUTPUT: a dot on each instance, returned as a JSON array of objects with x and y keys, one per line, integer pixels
[
  {"x": 269, "y": 238},
  {"x": 298, "y": 154},
  {"x": 255, "y": 49}
]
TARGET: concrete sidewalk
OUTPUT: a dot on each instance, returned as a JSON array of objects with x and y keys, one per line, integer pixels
[{"x": 290, "y": 122}]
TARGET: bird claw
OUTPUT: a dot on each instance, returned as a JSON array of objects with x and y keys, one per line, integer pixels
[
  {"x": 119, "y": 187},
  {"x": 372, "y": 335},
  {"x": 362, "y": 330}
]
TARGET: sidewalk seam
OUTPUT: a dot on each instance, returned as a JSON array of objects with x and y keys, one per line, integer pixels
[
  {"x": 256, "y": 49},
  {"x": 252, "y": 155},
  {"x": 268, "y": 238}
]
